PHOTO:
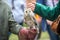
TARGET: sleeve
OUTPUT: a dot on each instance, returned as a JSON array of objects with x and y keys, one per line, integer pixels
[
  {"x": 13, "y": 26},
  {"x": 47, "y": 12}
]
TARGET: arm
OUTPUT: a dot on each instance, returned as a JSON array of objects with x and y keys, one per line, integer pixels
[
  {"x": 47, "y": 12},
  {"x": 22, "y": 32},
  {"x": 18, "y": 29},
  {"x": 13, "y": 26}
]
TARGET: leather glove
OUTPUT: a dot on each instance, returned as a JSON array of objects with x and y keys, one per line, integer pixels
[
  {"x": 56, "y": 26},
  {"x": 27, "y": 34}
]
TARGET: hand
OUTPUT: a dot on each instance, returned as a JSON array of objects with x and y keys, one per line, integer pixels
[
  {"x": 49, "y": 22},
  {"x": 27, "y": 34},
  {"x": 31, "y": 4}
]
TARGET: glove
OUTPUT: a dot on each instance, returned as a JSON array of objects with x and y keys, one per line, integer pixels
[
  {"x": 32, "y": 33},
  {"x": 27, "y": 34},
  {"x": 56, "y": 26}
]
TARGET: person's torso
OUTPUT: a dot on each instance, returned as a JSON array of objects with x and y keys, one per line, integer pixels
[{"x": 18, "y": 11}]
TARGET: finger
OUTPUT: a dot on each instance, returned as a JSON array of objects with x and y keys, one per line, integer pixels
[
  {"x": 34, "y": 2},
  {"x": 29, "y": 4},
  {"x": 32, "y": 6},
  {"x": 30, "y": 1}
]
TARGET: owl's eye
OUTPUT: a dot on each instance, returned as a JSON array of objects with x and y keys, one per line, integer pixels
[{"x": 26, "y": 11}]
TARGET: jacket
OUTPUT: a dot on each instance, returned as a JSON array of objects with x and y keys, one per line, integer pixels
[{"x": 47, "y": 12}]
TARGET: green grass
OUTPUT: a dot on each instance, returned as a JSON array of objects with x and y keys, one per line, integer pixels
[
  {"x": 13, "y": 37},
  {"x": 44, "y": 36}
]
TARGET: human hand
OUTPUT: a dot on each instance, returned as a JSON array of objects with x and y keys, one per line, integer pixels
[
  {"x": 49, "y": 22},
  {"x": 31, "y": 4}
]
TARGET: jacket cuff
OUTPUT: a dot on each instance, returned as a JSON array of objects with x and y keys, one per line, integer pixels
[
  {"x": 16, "y": 29},
  {"x": 36, "y": 8}
]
